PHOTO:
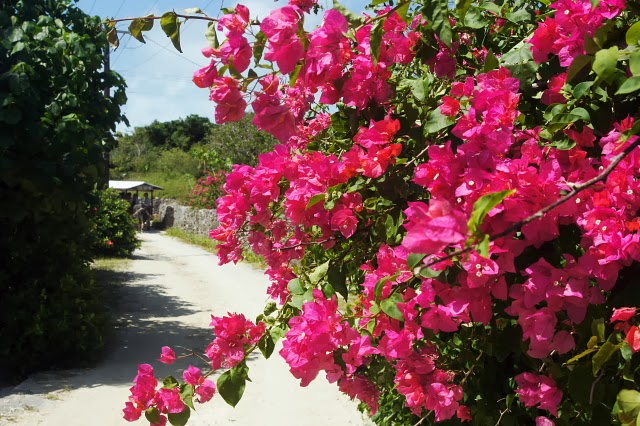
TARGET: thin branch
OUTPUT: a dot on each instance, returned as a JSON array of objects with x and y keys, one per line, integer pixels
[
  {"x": 155, "y": 17},
  {"x": 540, "y": 213},
  {"x": 593, "y": 386}
]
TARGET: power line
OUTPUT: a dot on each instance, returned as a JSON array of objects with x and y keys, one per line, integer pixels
[
  {"x": 172, "y": 51},
  {"x": 92, "y": 6},
  {"x": 119, "y": 8}
]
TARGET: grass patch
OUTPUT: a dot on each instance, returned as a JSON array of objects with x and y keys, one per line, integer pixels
[
  {"x": 110, "y": 264},
  {"x": 210, "y": 244},
  {"x": 206, "y": 243}
]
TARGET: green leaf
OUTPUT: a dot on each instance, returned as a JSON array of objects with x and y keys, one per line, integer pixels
[
  {"x": 381, "y": 283},
  {"x": 491, "y": 62},
  {"x": 170, "y": 382},
  {"x": 354, "y": 19},
  {"x": 186, "y": 393},
  {"x": 475, "y": 19},
  {"x": 578, "y": 65},
  {"x": 629, "y": 402},
  {"x": 390, "y": 306},
  {"x": 258, "y": 47},
  {"x": 293, "y": 77},
  {"x": 633, "y": 34},
  {"x": 483, "y": 246},
  {"x": 295, "y": 286},
  {"x": 112, "y": 38},
  {"x": 634, "y": 63},
  {"x": 319, "y": 272},
  {"x": 180, "y": 419},
  {"x": 429, "y": 273},
  {"x": 437, "y": 12},
  {"x": 152, "y": 415},
  {"x": 376, "y": 40},
  {"x": 415, "y": 259},
  {"x": 484, "y": 205},
  {"x": 581, "y": 89},
  {"x": 520, "y": 15},
  {"x": 315, "y": 200},
  {"x": 139, "y": 25},
  {"x": 463, "y": 7},
  {"x": 581, "y": 355},
  {"x": 338, "y": 280},
  {"x": 606, "y": 62},
  {"x": 194, "y": 11},
  {"x": 631, "y": 85},
  {"x": 597, "y": 329},
  {"x": 212, "y": 35},
  {"x": 436, "y": 121},
  {"x": 171, "y": 27},
  {"x": 231, "y": 384},
  {"x": 604, "y": 353},
  {"x": 266, "y": 345},
  {"x": 420, "y": 88}
]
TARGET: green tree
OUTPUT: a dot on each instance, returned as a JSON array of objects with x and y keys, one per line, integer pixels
[
  {"x": 55, "y": 128},
  {"x": 239, "y": 142}
]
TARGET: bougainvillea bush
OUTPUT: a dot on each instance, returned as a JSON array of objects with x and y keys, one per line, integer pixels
[
  {"x": 207, "y": 190},
  {"x": 462, "y": 179}
]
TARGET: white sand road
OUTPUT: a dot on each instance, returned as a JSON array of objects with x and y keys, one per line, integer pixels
[{"x": 170, "y": 291}]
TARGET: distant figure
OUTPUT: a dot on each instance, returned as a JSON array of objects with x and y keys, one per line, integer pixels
[
  {"x": 141, "y": 213},
  {"x": 146, "y": 202},
  {"x": 134, "y": 200}
]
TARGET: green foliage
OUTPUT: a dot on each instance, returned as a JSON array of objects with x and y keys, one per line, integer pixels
[
  {"x": 239, "y": 142},
  {"x": 176, "y": 153},
  {"x": 113, "y": 228},
  {"x": 55, "y": 129}
]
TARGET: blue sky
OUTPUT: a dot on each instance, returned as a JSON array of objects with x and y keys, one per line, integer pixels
[{"x": 157, "y": 75}]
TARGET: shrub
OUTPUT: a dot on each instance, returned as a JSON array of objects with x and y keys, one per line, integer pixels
[
  {"x": 207, "y": 190},
  {"x": 113, "y": 228},
  {"x": 55, "y": 130},
  {"x": 466, "y": 180}
]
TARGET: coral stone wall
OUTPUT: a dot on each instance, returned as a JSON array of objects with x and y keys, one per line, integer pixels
[{"x": 172, "y": 214}]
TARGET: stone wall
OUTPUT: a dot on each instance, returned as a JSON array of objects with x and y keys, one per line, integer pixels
[{"x": 172, "y": 214}]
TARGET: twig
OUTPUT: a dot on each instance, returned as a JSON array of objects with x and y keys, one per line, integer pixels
[
  {"x": 155, "y": 17},
  {"x": 540, "y": 213},
  {"x": 593, "y": 386}
]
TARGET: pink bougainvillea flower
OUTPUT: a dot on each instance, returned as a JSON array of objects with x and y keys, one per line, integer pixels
[
  {"x": 431, "y": 228},
  {"x": 204, "y": 77},
  {"x": 633, "y": 338},
  {"x": 169, "y": 401},
  {"x": 281, "y": 29},
  {"x": 168, "y": 355},
  {"x": 535, "y": 389},
  {"x": 623, "y": 314},
  {"x": 305, "y": 5},
  {"x": 450, "y": 106},
  {"x": 230, "y": 102},
  {"x": 345, "y": 221},
  {"x": 193, "y": 376},
  {"x": 543, "y": 421},
  {"x": 205, "y": 391}
]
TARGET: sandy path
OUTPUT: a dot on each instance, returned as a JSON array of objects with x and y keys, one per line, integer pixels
[{"x": 174, "y": 287}]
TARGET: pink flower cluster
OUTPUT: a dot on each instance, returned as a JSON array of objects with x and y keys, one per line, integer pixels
[
  {"x": 564, "y": 34},
  {"x": 251, "y": 192},
  {"x": 234, "y": 334},
  {"x": 144, "y": 396},
  {"x": 328, "y": 64},
  {"x": 535, "y": 389}
]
